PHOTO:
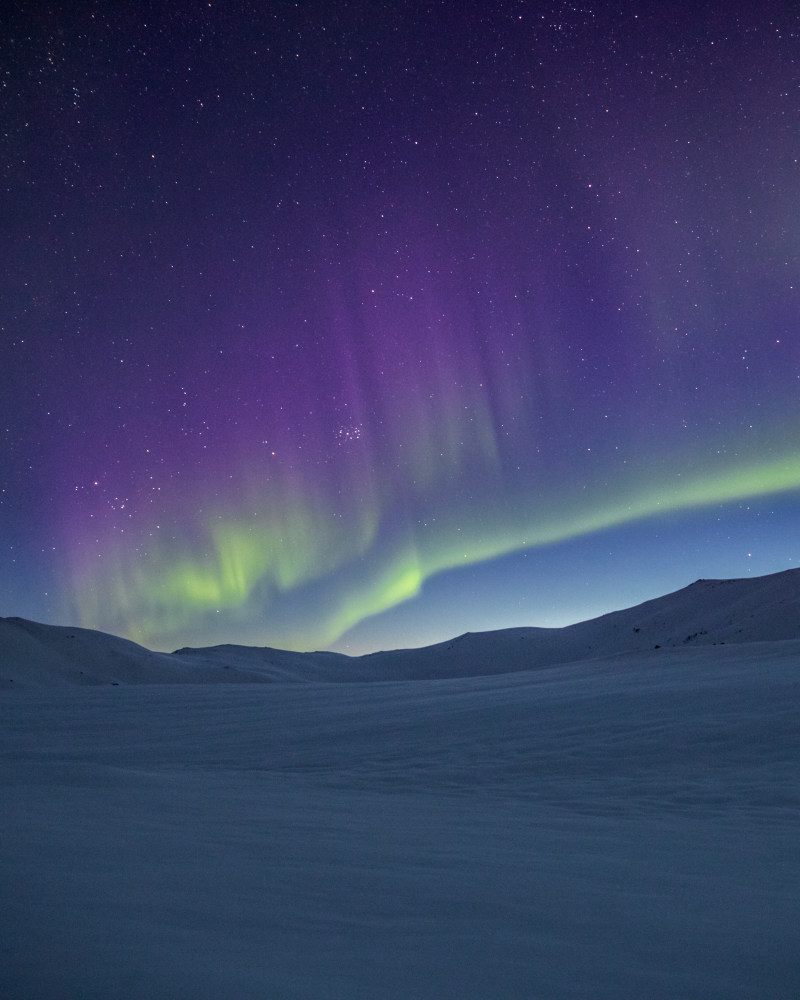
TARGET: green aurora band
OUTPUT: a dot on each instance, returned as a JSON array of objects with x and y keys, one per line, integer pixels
[{"x": 236, "y": 569}]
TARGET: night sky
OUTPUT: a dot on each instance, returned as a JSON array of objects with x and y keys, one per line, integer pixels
[{"x": 360, "y": 325}]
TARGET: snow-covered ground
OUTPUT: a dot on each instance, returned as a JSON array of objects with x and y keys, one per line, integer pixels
[{"x": 620, "y": 826}]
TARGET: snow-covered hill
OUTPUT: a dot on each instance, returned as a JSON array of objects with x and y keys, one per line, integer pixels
[
  {"x": 759, "y": 609},
  {"x": 32, "y": 653}
]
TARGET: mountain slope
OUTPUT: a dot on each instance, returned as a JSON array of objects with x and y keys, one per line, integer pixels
[
  {"x": 708, "y": 612},
  {"x": 759, "y": 609},
  {"x": 45, "y": 655}
]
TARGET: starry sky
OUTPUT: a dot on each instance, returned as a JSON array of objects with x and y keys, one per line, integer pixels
[{"x": 358, "y": 325}]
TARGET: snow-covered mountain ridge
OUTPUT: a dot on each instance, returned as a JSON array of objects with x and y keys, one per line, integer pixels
[{"x": 708, "y": 612}]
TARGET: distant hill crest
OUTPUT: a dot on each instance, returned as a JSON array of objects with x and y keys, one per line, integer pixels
[{"x": 707, "y": 612}]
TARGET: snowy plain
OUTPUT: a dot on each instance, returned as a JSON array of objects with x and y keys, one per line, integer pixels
[{"x": 605, "y": 811}]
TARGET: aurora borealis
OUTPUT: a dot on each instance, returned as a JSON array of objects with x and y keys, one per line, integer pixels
[{"x": 357, "y": 325}]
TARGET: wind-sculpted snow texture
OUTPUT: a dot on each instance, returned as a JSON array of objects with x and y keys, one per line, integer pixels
[{"x": 611, "y": 827}]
